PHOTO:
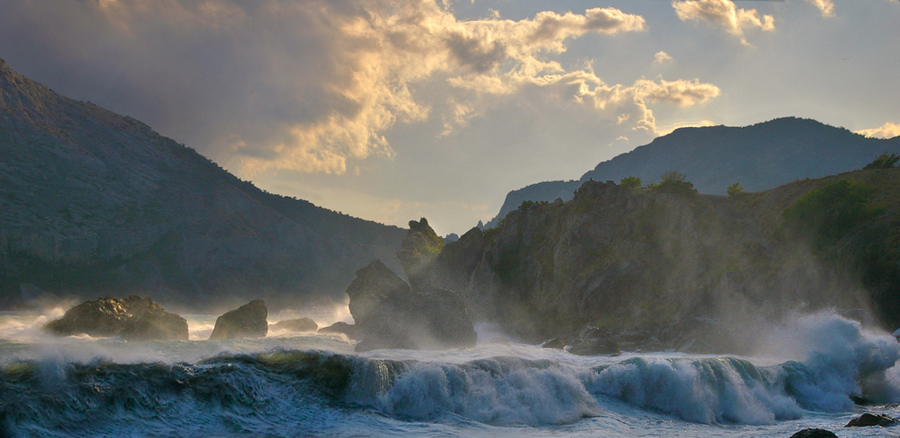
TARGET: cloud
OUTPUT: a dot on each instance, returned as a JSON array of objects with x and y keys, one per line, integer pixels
[
  {"x": 283, "y": 84},
  {"x": 724, "y": 14},
  {"x": 662, "y": 58},
  {"x": 888, "y": 130},
  {"x": 826, "y": 6}
]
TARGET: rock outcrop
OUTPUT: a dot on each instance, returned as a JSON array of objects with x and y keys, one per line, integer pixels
[
  {"x": 419, "y": 248},
  {"x": 247, "y": 321},
  {"x": 132, "y": 318},
  {"x": 869, "y": 419},
  {"x": 390, "y": 314},
  {"x": 299, "y": 325},
  {"x": 814, "y": 433}
]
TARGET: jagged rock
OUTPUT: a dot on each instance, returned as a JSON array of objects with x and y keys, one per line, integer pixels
[
  {"x": 389, "y": 314},
  {"x": 592, "y": 341},
  {"x": 296, "y": 325},
  {"x": 418, "y": 250},
  {"x": 868, "y": 419},
  {"x": 133, "y": 318},
  {"x": 350, "y": 330},
  {"x": 814, "y": 433},
  {"x": 247, "y": 321},
  {"x": 156, "y": 325}
]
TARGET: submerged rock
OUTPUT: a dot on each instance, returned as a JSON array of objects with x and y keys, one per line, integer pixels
[
  {"x": 389, "y": 314},
  {"x": 868, "y": 419},
  {"x": 296, "y": 325},
  {"x": 814, "y": 433},
  {"x": 133, "y": 318},
  {"x": 247, "y": 321}
]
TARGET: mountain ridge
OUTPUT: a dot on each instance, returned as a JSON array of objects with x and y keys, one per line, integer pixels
[
  {"x": 92, "y": 202},
  {"x": 758, "y": 157}
]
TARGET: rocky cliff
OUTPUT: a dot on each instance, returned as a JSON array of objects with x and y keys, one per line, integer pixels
[
  {"x": 676, "y": 268},
  {"x": 95, "y": 203}
]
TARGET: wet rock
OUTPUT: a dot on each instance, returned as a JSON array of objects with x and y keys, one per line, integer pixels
[
  {"x": 814, "y": 433},
  {"x": 247, "y": 321},
  {"x": 868, "y": 419},
  {"x": 349, "y": 330},
  {"x": 133, "y": 318},
  {"x": 156, "y": 325},
  {"x": 593, "y": 341},
  {"x": 296, "y": 325},
  {"x": 390, "y": 314}
]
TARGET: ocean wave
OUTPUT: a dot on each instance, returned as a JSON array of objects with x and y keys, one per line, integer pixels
[{"x": 283, "y": 388}]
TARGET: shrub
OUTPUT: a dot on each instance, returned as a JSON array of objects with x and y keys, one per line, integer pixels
[
  {"x": 832, "y": 211},
  {"x": 735, "y": 190},
  {"x": 675, "y": 183},
  {"x": 631, "y": 182}
]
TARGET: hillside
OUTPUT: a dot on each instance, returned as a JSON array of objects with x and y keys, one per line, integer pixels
[
  {"x": 759, "y": 157},
  {"x": 680, "y": 268},
  {"x": 94, "y": 203}
]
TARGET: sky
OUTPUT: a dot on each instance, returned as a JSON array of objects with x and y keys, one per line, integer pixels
[{"x": 396, "y": 110}]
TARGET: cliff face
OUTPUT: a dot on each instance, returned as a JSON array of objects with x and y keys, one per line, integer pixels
[
  {"x": 669, "y": 264},
  {"x": 95, "y": 203}
]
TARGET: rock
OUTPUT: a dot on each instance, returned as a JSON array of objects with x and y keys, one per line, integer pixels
[
  {"x": 814, "y": 433},
  {"x": 350, "y": 330},
  {"x": 555, "y": 343},
  {"x": 868, "y": 419},
  {"x": 592, "y": 341},
  {"x": 418, "y": 250},
  {"x": 134, "y": 318},
  {"x": 247, "y": 321},
  {"x": 389, "y": 314},
  {"x": 156, "y": 325},
  {"x": 296, "y": 325}
]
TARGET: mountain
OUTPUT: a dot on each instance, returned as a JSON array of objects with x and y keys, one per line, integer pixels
[
  {"x": 669, "y": 266},
  {"x": 94, "y": 203},
  {"x": 758, "y": 157}
]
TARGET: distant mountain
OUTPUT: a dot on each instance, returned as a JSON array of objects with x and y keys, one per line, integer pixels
[
  {"x": 94, "y": 203},
  {"x": 758, "y": 157}
]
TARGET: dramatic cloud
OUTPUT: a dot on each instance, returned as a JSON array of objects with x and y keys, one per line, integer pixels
[
  {"x": 826, "y": 6},
  {"x": 888, "y": 130},
  {"x": 725, "y": 14},
  {"x": 300, "y": 85}
]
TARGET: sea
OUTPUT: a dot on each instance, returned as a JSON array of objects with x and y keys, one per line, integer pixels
[{"x": 824, "y": 371}]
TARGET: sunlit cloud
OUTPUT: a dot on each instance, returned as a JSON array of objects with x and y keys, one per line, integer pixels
[
  {"x": 826, "y": 6},
  {"x": 724, "y": 14},
  {"x": 662, "y": 58},
  {"x": 887, "y": 130}
]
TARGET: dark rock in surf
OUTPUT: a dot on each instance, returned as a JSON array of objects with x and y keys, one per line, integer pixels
[
  {"x": 156, "y": 325},
  {"x": 350, "y": 330},
  {"x": 868, "y": 419},
  {"x": 134, "y": 318},
  {"x": 814, "y": 433},
  {"x": 389, "y": 314},
  {"x": 247, "y": 321},
  {"x": 296, "y": 325}
]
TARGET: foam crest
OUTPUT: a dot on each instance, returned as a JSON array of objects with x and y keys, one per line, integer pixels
[{"x": 498, "y": 391}]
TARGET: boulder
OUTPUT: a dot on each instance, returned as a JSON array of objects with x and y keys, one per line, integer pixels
[
  {"x": 133, "y": 318},
  {"x": 868, "y": 419},
  {"x": 247, "y": 321},
  {"x": 420, "y": 247},
  {"x": 350, "y": 330},
  {"x": 390, "y": 314},
  {"x": 156, "y": 325},
  {"x": 814, "y": 433},
  {"x": 296, "y": 325}
]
